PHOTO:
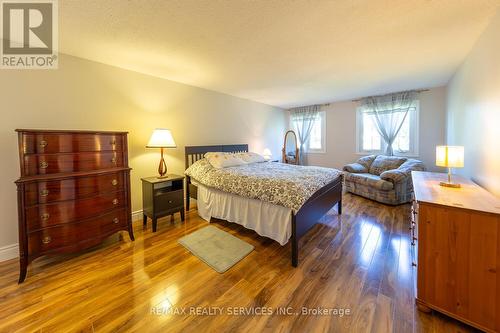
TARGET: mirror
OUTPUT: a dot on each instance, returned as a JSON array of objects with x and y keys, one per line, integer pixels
[{"x": 290, "y": 148}]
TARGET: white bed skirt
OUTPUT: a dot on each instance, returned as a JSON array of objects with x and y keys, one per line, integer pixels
[{"x": 266, "y": 219}]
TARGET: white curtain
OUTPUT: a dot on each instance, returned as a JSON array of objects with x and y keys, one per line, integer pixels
[
  {"x": 302, "y": 119},
  {"x": 390, "y": 113}
]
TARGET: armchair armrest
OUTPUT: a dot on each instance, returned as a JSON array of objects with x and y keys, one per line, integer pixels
[
  {"x": 394, "y": 176},
  {"x": 355, "y": 168}
]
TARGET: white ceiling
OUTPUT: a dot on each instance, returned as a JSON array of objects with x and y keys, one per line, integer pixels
[{"x": 280, "y": 52}]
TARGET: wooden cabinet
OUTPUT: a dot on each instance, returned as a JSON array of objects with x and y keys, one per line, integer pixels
[
  {"x": 162, "y": 197},
  {"x": 74, "y": 191},
  {"x": 457, "y": 250}
]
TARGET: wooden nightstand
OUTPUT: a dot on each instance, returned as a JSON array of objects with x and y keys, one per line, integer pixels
[{"x": 162, "y": 197}]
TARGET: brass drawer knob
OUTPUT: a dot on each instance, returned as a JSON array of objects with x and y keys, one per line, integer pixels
[
  {"x": 114, "y": 182},
  {"x": 170, "y": 201},
  {"x": 115, "y": 201},
  {"x": 113, "y": 160},
  {"x": 116, "y": 220},
  {"x": 43, "y": 144},
  {"x": 46, "y": 240},
  {"x": 45, "y": 216},
  {"x": 44, "y": 165},
  {"x": 44, "y": 193}
]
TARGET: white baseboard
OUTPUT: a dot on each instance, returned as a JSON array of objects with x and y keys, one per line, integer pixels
[
  {"x": 137, "y": 215},
  {"x": 9, "y": 252}
]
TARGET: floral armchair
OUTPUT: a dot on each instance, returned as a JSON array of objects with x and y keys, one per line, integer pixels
[{"x": 386, "y": 179}]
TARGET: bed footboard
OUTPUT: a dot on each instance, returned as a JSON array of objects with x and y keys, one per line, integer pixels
[{"x": 314, "y": 209}]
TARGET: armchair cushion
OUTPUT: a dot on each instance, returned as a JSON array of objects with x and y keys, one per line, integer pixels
[
  {"x": 403, "y": 172},
  {"x": 383, "y": 163},
  {"x": 367, "y": 161},
  {"x": 355, "y": 168},
  {"x": 369, "y": 180}
]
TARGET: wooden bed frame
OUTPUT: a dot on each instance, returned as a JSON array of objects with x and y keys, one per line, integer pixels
[{"x": 307, "y": 216}]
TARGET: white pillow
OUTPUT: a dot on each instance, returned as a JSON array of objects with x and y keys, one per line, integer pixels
[
  {"x": 223, "y": 160},
  {"x": 250, "y": 157},
  {"x": 207, "y": 155}
]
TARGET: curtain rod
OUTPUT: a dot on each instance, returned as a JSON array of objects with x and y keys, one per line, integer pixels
[
  {"x": 417, "y": 91},
  {"x": 303, "y": 106}
]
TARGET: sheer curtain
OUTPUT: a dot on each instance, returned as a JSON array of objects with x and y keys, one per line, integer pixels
[
  {"x": 302, "y": 119},
  {"x": 390, "y": 113}
]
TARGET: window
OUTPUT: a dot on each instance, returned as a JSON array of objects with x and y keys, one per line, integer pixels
[
  {"x": 317, "y": 138},
  {"x": 369, "y": 140}
]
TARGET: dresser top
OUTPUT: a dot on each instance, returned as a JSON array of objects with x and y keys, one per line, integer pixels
[
  {"x": 68, "y": 131},
  {"x": 469, "y": 196}
]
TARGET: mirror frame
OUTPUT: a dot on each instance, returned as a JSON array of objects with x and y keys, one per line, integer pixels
[{"x": 297, "y": 157}]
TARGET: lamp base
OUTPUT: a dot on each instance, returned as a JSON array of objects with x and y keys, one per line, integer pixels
[
  {"x": 162, "y": 177},
  {"x": 449, "y": 184},
  {"x": 162, "y": 168}
]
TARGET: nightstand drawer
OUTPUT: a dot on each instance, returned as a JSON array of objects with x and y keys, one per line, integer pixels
[{"x": 169, "y": 200}]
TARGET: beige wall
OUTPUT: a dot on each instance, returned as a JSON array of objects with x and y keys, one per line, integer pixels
[
  {"x": 87, "y": 95},
  {"x": 341, "y": 131},
  {"x": 474, "y": 109}
]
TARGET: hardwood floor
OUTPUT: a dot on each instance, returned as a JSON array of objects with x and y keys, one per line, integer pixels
[{"x": 360, "y": 261}]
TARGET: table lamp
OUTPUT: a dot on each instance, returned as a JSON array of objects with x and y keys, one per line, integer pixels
[
  {"x": 267, "y": 154},
  {"x": 450, "y": 157},
  {"x": 161, "y": 138}
]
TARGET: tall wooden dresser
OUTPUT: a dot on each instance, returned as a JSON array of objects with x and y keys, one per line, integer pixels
[
  {"x": 456, "y": 234},
  {"x": 74, "y": 191}
]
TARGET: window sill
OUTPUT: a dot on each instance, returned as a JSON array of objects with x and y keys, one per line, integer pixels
[{"x": 382, "y": 153}]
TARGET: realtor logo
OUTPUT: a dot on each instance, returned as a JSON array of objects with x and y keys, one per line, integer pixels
[{"x": 29, "y": 34}]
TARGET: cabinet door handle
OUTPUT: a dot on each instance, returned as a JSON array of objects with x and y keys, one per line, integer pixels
[
  {"x": 112, "y": 142},
  {"x": 116, "y": 220},
  {"x": 46, "y": 240},
  {"x": 44, "y": 193},
  {"x": 45, "y": 216},
  {"x": 43, "y": 144},
  {"x": 115, "y": 201},
  {"x": 114, "y": 182},
  {"x": 113, "y": 160},
  {"x": 44, "y": 165}
]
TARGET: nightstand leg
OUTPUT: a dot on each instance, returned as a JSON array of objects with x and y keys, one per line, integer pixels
[
  {"x": 155, "y": 220},
  {"x": 144, "y": 219},
  {"x": 182, "y": 214}
]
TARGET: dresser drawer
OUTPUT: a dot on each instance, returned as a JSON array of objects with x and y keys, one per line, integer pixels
[
  {"x": 70, "y": 189},
  {"x": 70, "y": 237},
  {"x": 46, "y": 215},
  {"x": 44, "y": 143},
  {"x": 61, "y": 163}
]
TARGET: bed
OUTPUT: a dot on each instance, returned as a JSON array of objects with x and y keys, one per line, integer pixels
[{"x": 302, "y": 220}]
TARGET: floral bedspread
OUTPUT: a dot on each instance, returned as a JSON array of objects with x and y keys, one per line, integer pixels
[{"x": 278, "y": 183}]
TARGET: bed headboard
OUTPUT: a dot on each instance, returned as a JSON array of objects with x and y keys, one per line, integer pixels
[{"x": 195, "y": 153}]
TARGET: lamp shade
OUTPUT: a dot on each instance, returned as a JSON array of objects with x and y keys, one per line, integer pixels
[
  {"x": 450, "y": 156},
  {"x": 161, "y": 138},
  {"x": 267, "y": 153}
]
